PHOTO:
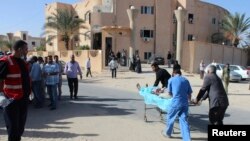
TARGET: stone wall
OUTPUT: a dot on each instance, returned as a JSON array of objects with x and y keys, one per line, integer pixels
[{"x": 194, "y": 52}]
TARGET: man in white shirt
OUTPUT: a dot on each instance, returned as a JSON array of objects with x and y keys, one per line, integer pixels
[
  {"x": 202, "y": 69},
  {"x": 88, "y": 66}
]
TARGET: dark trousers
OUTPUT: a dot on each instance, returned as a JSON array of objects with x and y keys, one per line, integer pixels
[
  {"x": 88, "y": 72},
  {"x": 52, "y": 91},
  {"x": 15, "y": 116},
  {"x": 113, "y": 71},
  {"x": 201, "y": 74},
  {"x": 38, "y": 95},
  {"x": 73, "y": 86},
  {"x": 216, "y": 115},
  {"x": 59, "y": 88}
]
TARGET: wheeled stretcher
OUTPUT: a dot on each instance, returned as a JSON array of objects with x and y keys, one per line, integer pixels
[{"x": 162, "y": 104}]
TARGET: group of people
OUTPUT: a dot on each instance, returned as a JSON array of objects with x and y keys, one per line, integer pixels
[
  {"x": 46, "y": 75},
  {"x": 179, "y": 88},
  {"x": 116, "y": 60},
  {"x": 20, "y": 76}
]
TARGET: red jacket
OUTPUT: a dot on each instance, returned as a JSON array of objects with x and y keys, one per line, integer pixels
[{"x": 13, "y": 81}]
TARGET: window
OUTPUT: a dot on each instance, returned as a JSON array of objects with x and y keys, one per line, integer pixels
[
  {"x": 24, "y": 36},
  {"x": 218, "y": 67},
  {"x": 190, "y": 37},
  {"x": 87, "y": 17},
  {"x": 174, "y": 39},
  {"x": 174, "y": 19},
  {"x": 233, "y": 68},
  {"x": 243, "y": 68},
  {"x": 147, "y": 55},
  {"x": 147, "y": 9},
  {"x": 190, "y": 18},
  {"x": 147, "y": 33},
  {"x": 33, "y": 43},
  {"x": 213, "y": 20}
]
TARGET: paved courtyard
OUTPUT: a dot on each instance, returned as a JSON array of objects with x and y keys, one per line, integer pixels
[{"x": 111, "y": 110}]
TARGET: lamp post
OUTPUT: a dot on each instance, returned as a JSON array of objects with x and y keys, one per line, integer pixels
[
  {"x": 180, "y": 16},
  {"x": 132, "y": 14}
]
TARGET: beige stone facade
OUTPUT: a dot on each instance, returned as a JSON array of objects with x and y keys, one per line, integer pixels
[
  {"x": 155, "y": 24},
  {"x": 107, "y": 25}
]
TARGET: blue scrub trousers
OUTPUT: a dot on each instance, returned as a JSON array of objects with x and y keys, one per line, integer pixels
[{"x": 182, "y": 113}]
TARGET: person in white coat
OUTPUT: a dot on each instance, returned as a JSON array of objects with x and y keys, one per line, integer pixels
[
  {"x": 113, "y": 67},
  {"x": 88, "y": 66}
]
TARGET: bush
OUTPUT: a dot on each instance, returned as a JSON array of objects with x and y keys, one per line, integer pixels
[
  {"x": 41, "y": 48},
  {"x": 84, "y": 47}
]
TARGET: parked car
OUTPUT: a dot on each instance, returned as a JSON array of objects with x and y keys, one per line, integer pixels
[
  {"x": 159, "y": 60},
  {"x": 234, "y": 76},
  {"x": 248, "y": 68},
  {"x": 240, "y": 70}
]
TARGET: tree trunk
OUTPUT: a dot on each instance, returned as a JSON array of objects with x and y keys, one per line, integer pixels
[
  {"x": 66, "y": 44},
  {"x": 236, "y": 42},
  {"x": 248, "y": 58}
]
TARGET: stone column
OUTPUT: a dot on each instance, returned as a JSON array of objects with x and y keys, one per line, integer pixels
[
  {"x": 132, "y": 14},
  {"x": 180, "y": 16}
]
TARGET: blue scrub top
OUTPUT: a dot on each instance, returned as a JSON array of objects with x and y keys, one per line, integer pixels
[{"x": 180, "y": 89}]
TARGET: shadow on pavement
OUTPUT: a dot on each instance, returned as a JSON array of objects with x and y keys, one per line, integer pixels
[
  {"x": 44, "y": 119},
  {"x": 48, "y": 134},
  {"x": 198, "y": 122}
]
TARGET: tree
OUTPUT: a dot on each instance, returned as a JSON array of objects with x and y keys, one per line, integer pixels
[
  {"x": 40, "y": 48},
  {"x": 235, "y": 28},
  {"x": 218, "y": 38},
  {"x": 63, "y": 24}
]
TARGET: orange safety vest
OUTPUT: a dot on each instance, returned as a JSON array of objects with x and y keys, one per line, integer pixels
[{"x": 13, "y": 81}]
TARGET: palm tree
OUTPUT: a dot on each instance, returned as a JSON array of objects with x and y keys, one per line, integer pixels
[
  {"x": 64, "y": 24},
  {"x": 235, "y": 28}
]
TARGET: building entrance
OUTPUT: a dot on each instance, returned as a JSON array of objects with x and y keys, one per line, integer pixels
[{"x": 108, "y": 50}]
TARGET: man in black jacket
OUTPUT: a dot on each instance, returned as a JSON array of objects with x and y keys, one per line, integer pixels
[
  {"x": 161, "y": 75},
  {"x": 218, "y": 100}
]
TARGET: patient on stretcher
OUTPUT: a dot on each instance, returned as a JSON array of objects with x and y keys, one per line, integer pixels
[
  {"x": 155, "y": 96},
  {"x": 161, "y": 92}
]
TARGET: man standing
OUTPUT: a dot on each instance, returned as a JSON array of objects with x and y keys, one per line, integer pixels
[
  {"x": 36, "y": 77},
  {"x": 88, "y": 66},
  {"x": 138, "y": 64},
  {"x": 161, "y": 75},
  {"x": 15, "y": 85},
  {"x": 59, "y": 85},
  {"x": 71, "y": 69},
  {"x": 113, "y": 67},
  {"x": 169, "y": 57},
  {"x": 202, "y": 69},
  {"x": 226, "y": 77},
  {"x": 218, "y": 100},
  {"x": 50, "y": 71},
  {"x": 179, "y": 88}
]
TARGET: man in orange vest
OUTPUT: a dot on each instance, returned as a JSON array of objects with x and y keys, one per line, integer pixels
[{"x": 15, "y": 86}]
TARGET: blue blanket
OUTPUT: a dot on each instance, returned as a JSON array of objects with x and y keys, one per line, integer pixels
[{"x": 152, "y": 99}]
